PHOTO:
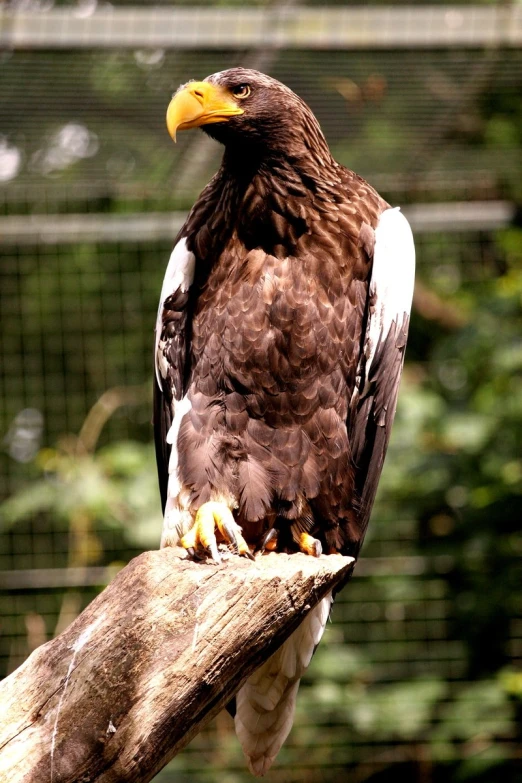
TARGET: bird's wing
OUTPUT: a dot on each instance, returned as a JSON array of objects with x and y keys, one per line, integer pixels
[
  {"x": 169, "y": 356},
  {"x": 373, "y": 404}
]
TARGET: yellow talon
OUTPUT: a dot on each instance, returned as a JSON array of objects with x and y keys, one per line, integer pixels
[
  {"x": 202, "y": 535},
  {"x": 309, "y": 545}
]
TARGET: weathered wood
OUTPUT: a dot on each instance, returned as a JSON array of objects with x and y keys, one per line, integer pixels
[{"x": 149, "y": 662}]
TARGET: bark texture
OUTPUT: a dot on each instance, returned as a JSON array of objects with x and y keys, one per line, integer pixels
[{"x": 149, "y": 662}]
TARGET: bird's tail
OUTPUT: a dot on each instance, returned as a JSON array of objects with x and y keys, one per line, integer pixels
[{"x": 265, "y": 704}]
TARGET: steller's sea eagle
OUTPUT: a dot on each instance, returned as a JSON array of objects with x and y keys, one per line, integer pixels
[{"x": 280, "y": 341}]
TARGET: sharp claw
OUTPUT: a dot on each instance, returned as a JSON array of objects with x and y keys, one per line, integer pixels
[
  {"x": 248, "y": 554},
  {"x": 231, "y": 533},
  {"x": 270, "y": 540},
  {"x": 191, "y": 551},
  {"x": 214, "y": 552}
]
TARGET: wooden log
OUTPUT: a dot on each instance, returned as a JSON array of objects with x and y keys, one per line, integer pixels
[{"x": 149, "y": 662}]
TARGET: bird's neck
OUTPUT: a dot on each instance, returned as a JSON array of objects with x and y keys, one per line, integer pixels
[
  {"x": 270, "y": 195},
  {"x": 304, "y": 164}
]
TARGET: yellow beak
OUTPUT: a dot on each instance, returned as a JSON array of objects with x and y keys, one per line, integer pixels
[{"x": 200, "y": 103}]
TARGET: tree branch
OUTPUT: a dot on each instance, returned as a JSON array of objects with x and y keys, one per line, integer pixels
[{"x": 150, "y": 662}]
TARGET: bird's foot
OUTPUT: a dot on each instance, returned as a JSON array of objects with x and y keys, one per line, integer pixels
[
  {"x": 214, "y": 517},
  {"x": 309, "y": 545}
]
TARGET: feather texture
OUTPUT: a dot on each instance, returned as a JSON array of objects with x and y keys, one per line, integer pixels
[
  {"x": 280, "y": 342},
  {"x": 265, "y": 704}
]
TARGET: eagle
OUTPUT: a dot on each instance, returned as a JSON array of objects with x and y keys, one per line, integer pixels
[{"x": 280, "y": 339}]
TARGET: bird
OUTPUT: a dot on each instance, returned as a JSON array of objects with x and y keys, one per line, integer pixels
[{"x": 279, "y": 347}]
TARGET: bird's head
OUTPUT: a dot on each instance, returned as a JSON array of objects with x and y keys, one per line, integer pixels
[{"x": 245, "y": 108}]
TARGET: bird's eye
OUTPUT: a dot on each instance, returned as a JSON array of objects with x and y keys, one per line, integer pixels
[{"x": 242, "y": 91}]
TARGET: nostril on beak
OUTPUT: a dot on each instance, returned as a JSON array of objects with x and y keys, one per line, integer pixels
[{"x": 198, "y": 93}]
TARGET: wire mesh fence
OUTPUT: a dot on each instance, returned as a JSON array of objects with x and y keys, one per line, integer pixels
[
  {"x": 84, "y": 129},
  {"x": 418, "y": 674},
  {"x": 78, "y": 323}
]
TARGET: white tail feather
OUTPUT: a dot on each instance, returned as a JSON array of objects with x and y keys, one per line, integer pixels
[{"x": 265, "y": 704}]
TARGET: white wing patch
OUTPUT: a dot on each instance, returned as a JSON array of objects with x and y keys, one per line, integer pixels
[
  {"x": 179, "y": 275},
  {"x": 181, "y": 407},
  {"x": 177, "y": 519},
  {"x": 393, "y": 275}
]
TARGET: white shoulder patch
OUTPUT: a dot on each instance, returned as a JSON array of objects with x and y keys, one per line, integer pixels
[
  {"x": 393, "y": 276},
  {"x": 179, "y": 274}
]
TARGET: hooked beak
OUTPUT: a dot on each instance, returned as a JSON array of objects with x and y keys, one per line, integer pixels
[{"x": 200, "y": 103}]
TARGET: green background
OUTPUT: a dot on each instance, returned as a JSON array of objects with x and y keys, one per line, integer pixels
[{"x": 418, "y": 676}]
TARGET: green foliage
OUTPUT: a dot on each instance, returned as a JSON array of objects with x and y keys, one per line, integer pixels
[
  {"x": 398, "y": 711},
  {"x": 116, "y": 488}
]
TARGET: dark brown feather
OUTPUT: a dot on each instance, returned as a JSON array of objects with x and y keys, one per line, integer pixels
[{"x": 267, "y": 342}]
